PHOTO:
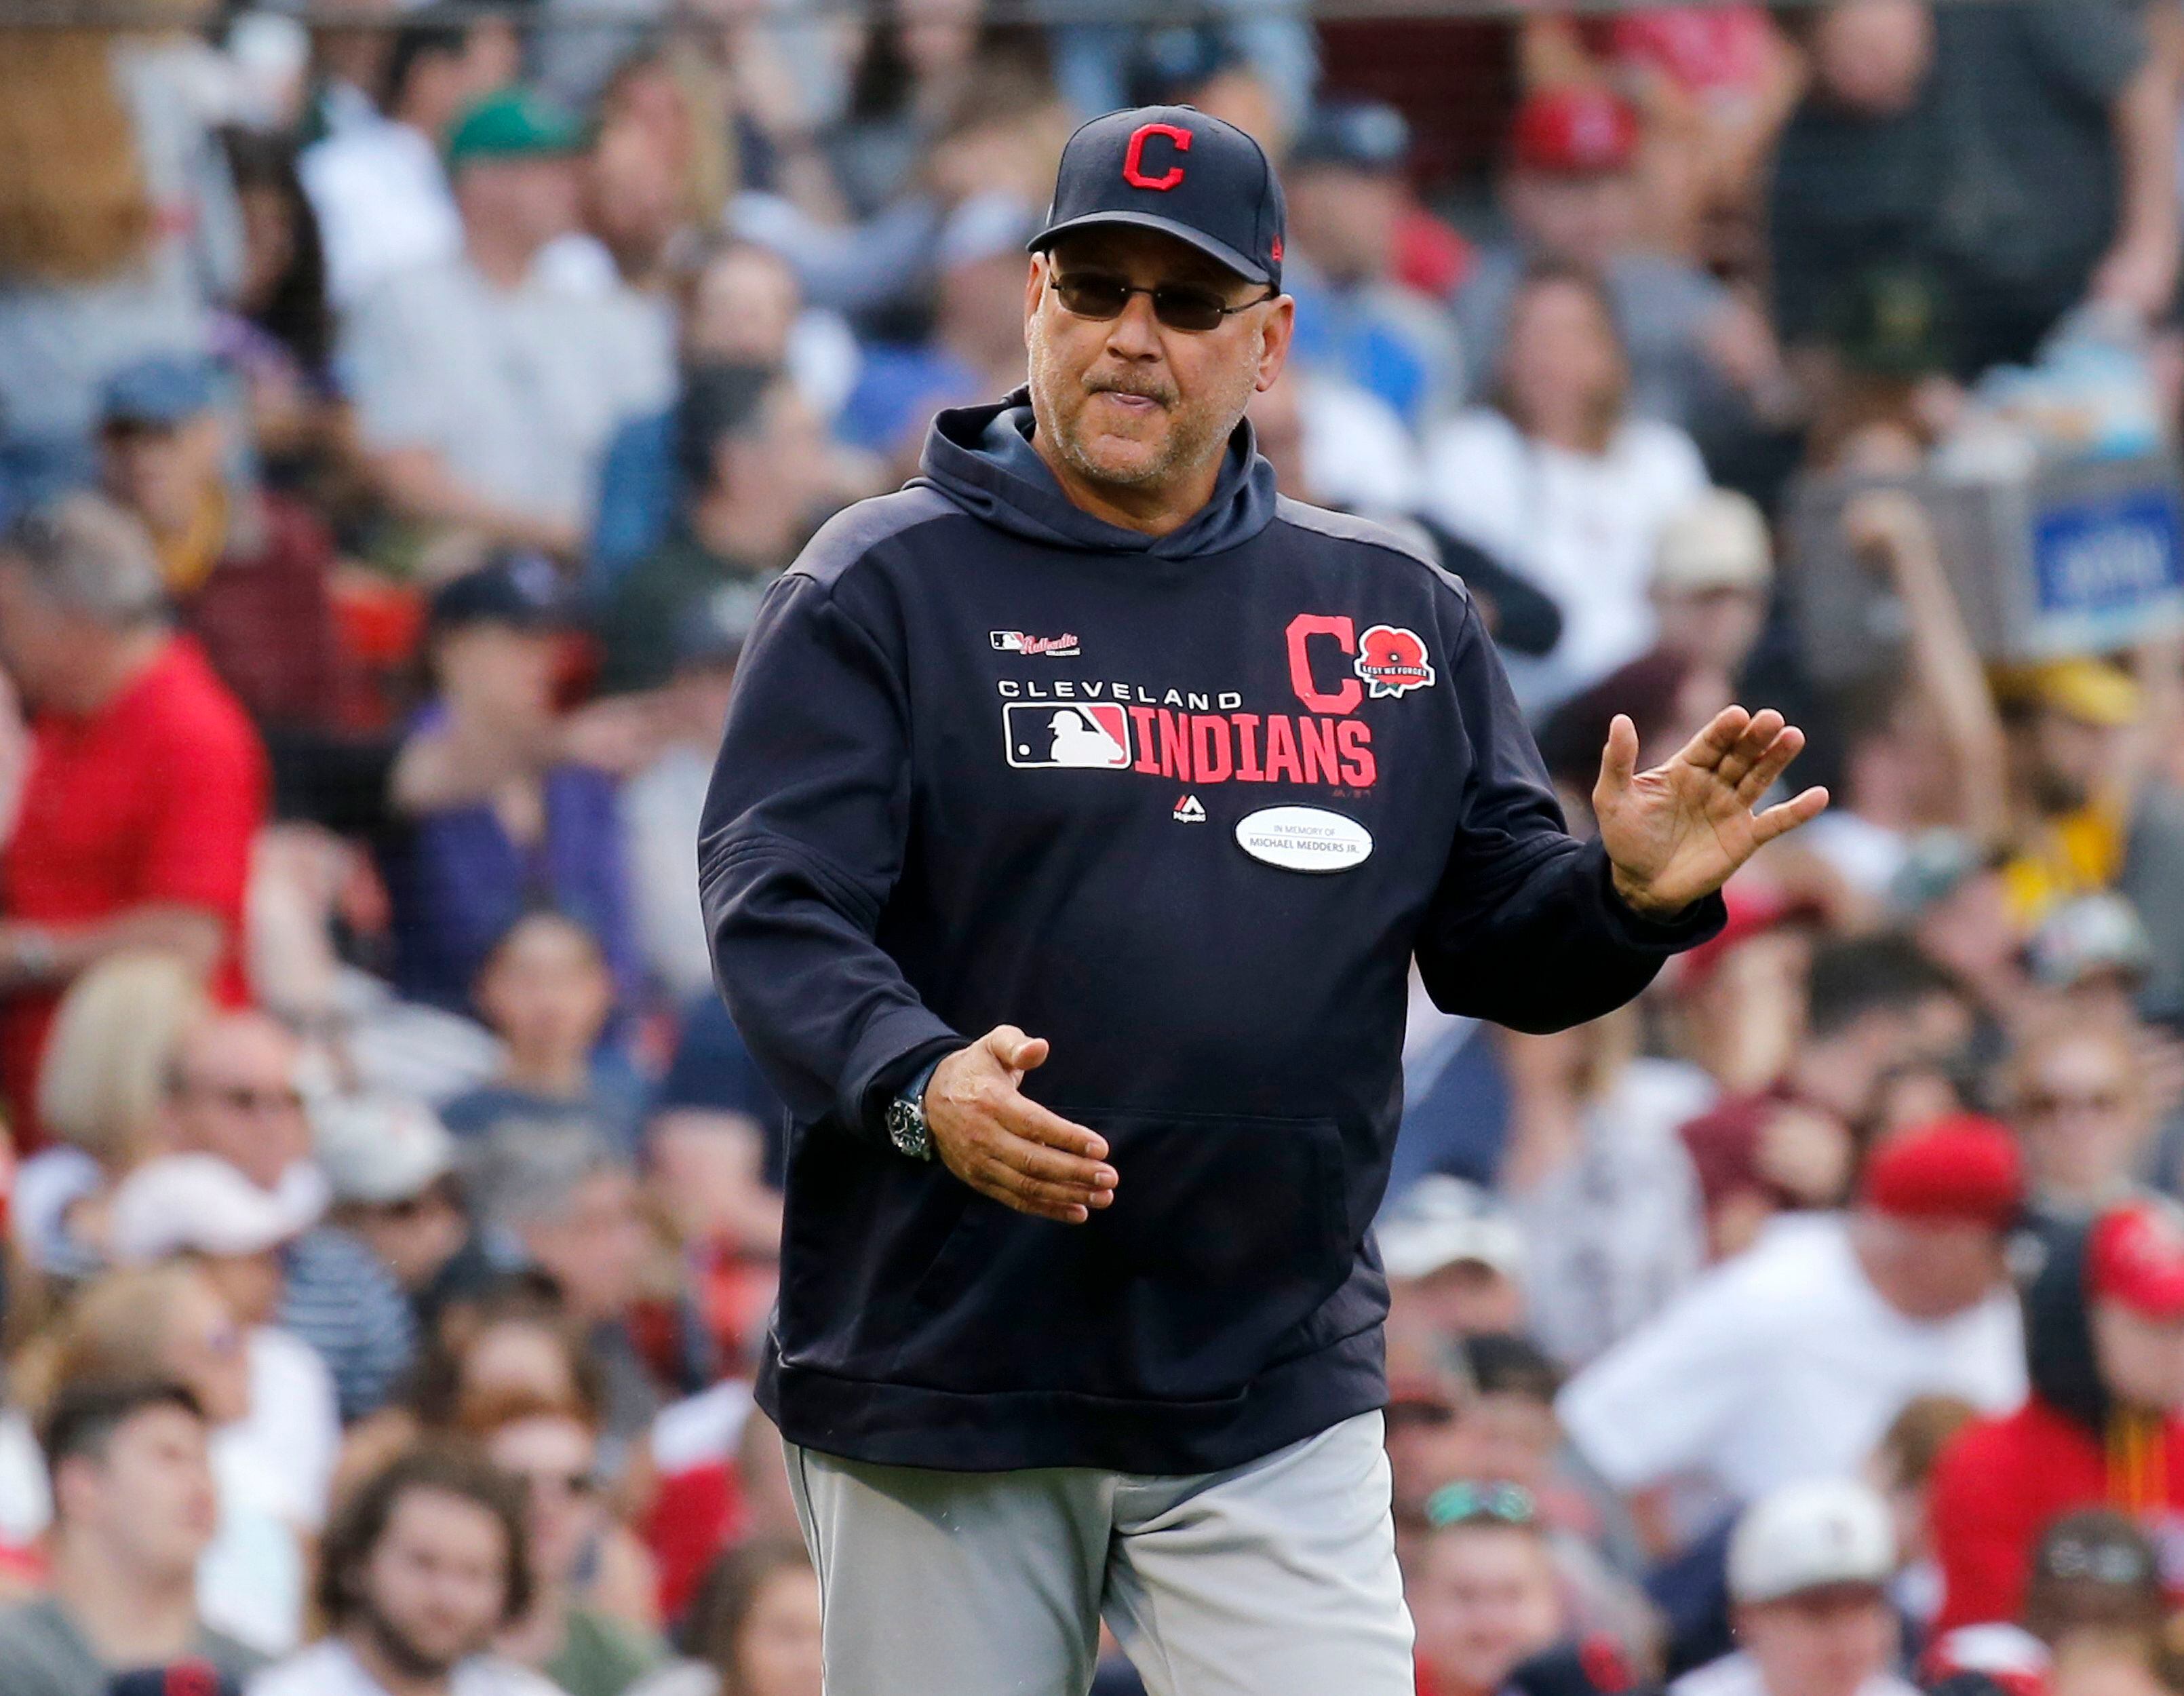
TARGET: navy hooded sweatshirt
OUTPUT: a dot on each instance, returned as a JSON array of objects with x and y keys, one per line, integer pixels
[{"x": 1186, "y": 806}]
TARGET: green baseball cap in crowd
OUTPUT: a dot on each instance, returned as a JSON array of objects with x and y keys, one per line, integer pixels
[{"x": 513, "y": 123}]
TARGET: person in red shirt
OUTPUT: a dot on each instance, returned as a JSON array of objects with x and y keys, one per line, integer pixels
[
  {"x": 2105, "y": 1350},
  {"x": 143, "y": 787}
]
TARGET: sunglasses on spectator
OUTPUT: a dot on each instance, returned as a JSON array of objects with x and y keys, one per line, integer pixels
[
  {"x": 243, "y": 1099},
  {"x": 1178, "y": 305},
  {"x": 433, "y": 1198},
  {"x": 2104, "y": 1563},
  {"x": 2046, "y": 1104},
  {"x": 575, "y": 1484},
  {"x": 1458, "y": 1504}
]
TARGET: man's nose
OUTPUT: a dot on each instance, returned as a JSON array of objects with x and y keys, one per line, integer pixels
[{"x": 1136, "y": 334}]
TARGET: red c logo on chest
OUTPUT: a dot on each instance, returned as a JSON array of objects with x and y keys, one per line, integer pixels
[
  {"x": 1134, "y": 170},
  {"x": 1302, "y": 627}
]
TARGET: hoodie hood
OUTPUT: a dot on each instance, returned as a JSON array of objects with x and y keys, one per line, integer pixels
[
  {"x": 2058, "y": 1337},
  {"x": 981, "y": 458}
]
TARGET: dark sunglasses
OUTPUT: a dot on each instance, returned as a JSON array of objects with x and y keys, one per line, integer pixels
[
  {"x": 1178, "y": 305},
  {"x": 2104, "y": 1563},
  {"x": 241, "y": 1098},
  {"x": 1457, "y": 1504},
  {"x": 576, "y": 1484}
]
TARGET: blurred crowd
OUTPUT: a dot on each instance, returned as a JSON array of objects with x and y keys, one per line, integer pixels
[{"x": 401, "y": 418}]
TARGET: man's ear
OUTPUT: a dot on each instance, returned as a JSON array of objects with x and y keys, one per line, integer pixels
[
  {"x": 1274, "y": 337},
  {"x": 1035, "y": 286}
]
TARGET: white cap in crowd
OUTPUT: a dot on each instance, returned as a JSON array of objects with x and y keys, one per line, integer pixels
[
  {"x": 378, "y": 1149},
  {"x": 1442, "y": 1221},
  {"x": 199, "y": 1204},
  {"x": 1719, "y": 541},
  {"x": 1818, "y": 1531}
]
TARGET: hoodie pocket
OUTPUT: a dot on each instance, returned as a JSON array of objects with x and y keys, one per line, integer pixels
[{"x": 1227, "y": 1235}]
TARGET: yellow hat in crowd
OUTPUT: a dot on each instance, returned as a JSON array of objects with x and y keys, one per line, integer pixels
[{"x": 2090, "y": 691}]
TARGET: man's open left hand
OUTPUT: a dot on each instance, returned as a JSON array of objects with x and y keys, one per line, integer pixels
[{"x": 1673, "y": 834}]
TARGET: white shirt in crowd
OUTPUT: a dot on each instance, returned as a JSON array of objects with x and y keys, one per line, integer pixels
[
  {"x": 517, "y": 391},
  {"x": 329, "y": 1669},
  {"x": 382, "y": 202},
  {"x": 1783, "y": 1363},
  {"x": 272, "y": 1470},
  {"x": 661, "y": 808},
  {"x": 1616, "y": 1232},
  {"x": 1579, "y": 526},
  {"x": 1738, "y": 1675}
]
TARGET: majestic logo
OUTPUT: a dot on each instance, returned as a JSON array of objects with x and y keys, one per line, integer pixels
[
  {"x": 1133, "y": 160},
  {"x": 1063, "y": 647},
  {"x": 1189, "y": 811},
  {"x": 1392, "y": 661},
  {"x": 1088, "y": 735}
]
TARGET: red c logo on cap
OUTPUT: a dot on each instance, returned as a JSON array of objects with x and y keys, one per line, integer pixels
[{"x": 1133, "y": 159}]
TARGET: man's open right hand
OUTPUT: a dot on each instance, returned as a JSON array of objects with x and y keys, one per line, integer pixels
[{"x": 1003, "y": 1144}]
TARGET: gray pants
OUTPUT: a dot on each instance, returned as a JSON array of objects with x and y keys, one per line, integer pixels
[{"x": 1276, "y": 1578}]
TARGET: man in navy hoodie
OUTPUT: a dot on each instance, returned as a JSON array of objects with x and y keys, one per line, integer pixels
[{"x": 1087, "y": 733}]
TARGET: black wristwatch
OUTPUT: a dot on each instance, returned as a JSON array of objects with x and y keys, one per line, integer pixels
[{"x": 906, "y": 1115}]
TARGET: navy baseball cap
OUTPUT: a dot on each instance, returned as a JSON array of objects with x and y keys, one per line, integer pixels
[
  {"x": 160, "y": 390},
  {"x": 1175, "y": 169},
  {"x": 514, "y": 587}
]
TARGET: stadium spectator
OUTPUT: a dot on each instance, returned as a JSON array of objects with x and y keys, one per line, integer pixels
[
  {"x": 1356, "y": 320},
  {"x": 1903, "y": 1470},
  {"x": 391, "y": 1166},
  {"x": 2081, "y": 1113},
  {"x": 975, "y": 350},
  {"x": 249, "y": 572},
  {"x": 1808, "y": 1570},
  {"x": 1712, "y": 580},
  {"x": 1571, "y": 194},
  {"x": 485, "y": 393},
  {"x": 1483, "y": 1594},
  {"x": 1454, "y": 1262},
  {"x": 2095, "y": 1584},
  {"x": 1979, "y": 113},
  {"x": 1511, "y": 1436},
  {"x": 756, "y": 1621},
  {"x": 378, "y": 187},
  {"x": 752, "y": 465},
  {"x": 422, "y": 1568},
  {"x": 710, "y": 1182},
  {"x": 1599, "y": 1183},
  {"x": 508, "y": 805},
  {"x": 664, "y": 805},
  {"x": 118, "y": 229},
  {"x": 545, "y": 991},
  {"x": 1788, "y": 1362},
  {"x": 234, "y": 1095},
  {"x": 171, "y": 1321},
  {"x": 1560, "y": 480},
  {"x": 585, "y": 1640},
  {"x": 2105, "y": 1350},
  {"x": 144, "y": 786},
  {"x": 1873, "y": 1009},
  {"x": 565, "y": 1199},
  {"x": 278, "y": 331},
  {"x": 102, "y": 1095},
  {"x": 134, "y": 1510},
  {"x": 740, "y": 305}
]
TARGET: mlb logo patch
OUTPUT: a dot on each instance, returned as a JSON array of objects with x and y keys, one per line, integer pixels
[{"x": 1090, "y": 735}]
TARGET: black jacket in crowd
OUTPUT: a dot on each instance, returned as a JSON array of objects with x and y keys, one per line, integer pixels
[{"x": 991, "y": 760}]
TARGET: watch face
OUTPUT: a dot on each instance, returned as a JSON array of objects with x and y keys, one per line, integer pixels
[{"x": 906, "y": 1129}]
